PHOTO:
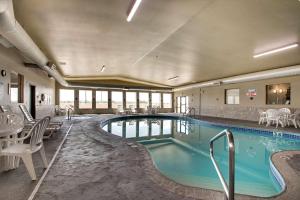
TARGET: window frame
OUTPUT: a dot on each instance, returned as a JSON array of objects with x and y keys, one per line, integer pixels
[
  {"x": 163, "y": 100},
  {"x": 122, "y": 99},
  {"x": 85, "y": 99},
  {"x": 127, "y": 107},
  {"x": 148, "y": 99},
  {"x": 159, "y": 99},
  {"x": 97, "y": 91},
  {"x": 59, "y": 100},
  {"x": 234, "y": 99}
]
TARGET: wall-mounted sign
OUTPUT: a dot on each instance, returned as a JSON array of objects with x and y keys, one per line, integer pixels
[{"x": 251, "y": 93}]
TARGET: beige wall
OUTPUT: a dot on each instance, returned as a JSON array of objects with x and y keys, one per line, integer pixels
[
  {"x": 210, "y": 101},
  {"x": 11, "y": 61}
]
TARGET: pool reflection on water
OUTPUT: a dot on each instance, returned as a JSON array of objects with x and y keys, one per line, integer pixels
[{"x": 141, "y": 128}]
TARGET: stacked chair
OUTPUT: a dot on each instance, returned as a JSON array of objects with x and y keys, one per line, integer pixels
[
  {"x": 25, "y": 150},
  {"x": 50, "y": 129}
]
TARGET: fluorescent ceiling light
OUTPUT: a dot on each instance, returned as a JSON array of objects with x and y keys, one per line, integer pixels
[
  {"x": 173, "y": 78},
  {"x": 103, "y": 68},
  {"x": 133, "y": 9},
  {"x": 275, "y": 50}
]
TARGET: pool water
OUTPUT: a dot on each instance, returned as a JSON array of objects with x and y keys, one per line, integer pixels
[{"x": 179, "y": 148}]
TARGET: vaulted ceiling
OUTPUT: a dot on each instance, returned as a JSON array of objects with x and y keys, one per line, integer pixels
[{"x": 197, "y": 40}]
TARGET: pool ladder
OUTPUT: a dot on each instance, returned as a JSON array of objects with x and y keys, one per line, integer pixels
[{"x": 228, "y": 189}]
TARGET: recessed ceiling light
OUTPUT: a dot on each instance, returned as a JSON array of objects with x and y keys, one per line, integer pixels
[
  {"x": 173, "y": 78},
  {"x": 103, "y": 68},
  {"x": 275, "y": 50},
  {"x": 133, "y": 9}
]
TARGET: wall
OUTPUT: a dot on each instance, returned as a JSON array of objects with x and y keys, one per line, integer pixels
[
  {"x": 11, "y": 61},
  {"x": 210, "y": 101}
]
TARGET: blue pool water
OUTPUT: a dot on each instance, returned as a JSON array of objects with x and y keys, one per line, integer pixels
[{"x": 180, "y": 150}]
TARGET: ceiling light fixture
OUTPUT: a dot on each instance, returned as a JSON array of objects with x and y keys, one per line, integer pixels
[
  {"x": 173, "y": 78},
  {"x": 103, "y": 68},
  {"x": 275, "y": 50},
  {"x": 133, "y": 9}
]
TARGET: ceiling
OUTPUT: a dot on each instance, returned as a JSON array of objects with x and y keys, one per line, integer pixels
[{"x": 197, "y": 40}]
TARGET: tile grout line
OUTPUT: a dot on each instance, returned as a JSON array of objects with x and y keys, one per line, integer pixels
[{"x": 36, "y": 188}]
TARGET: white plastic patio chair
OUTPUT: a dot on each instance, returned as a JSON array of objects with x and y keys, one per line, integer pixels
[
  {"x": 274, "y": 116},
  {"x": 288, "y": 116},
  {"x": 25, "y": 151},
  {"x": 120, "y": 111},
  {"x": 262, "y": 116}
]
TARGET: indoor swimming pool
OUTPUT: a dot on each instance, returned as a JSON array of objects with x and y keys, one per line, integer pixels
[{"x": 179, "y": 148}]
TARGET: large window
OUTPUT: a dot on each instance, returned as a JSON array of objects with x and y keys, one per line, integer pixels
[
  {"x": 232, "y": 96},
  {"x": 156, "y": 100},
  {"x": 144, "y": 99},
  {"x": 85, "y": 99},
  {"x": 66, "y": 98},
  {"x": 167, "y": 100},
  {"x": 117, "y": 100},
  {"x": 131, "y": 99},
  {"x": 101, "y": 99}
]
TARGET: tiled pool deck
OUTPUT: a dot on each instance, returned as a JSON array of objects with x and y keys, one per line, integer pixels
[{"x": 95, "y": 165}]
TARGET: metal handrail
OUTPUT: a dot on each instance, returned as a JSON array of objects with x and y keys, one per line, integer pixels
[{"x": 229, "y": 189}]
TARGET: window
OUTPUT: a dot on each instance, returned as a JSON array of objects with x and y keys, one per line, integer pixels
[
  {"x": 66, "y": 98},
  {"x": 178, "y": 104},
  {"x": 130, "y": 99},
  {"x": 85, "y": 99},
  {"x": 167, "y": 100},
  {"x": 16, "y": 87},
  {"x": 184, "y": 104},
  {"x": 101, "y": 99},
  {"x": 14, "y": 94},
  {"x": 279, "y": 94},
  {"x": 232, "y": 96},
  {"x": 144, "y": 99},
  {"x": 117, "y": 100},
  {"x": 156, "y": 100}
]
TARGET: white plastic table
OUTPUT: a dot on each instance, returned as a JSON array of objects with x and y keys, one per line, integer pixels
[{"x": 9, "y": 129}]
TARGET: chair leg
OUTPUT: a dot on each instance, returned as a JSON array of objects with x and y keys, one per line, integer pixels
[
  {"x": 27, "y": 159},
  {"x": 43, "y": 155},
  {"x": 295, "y": 124}
]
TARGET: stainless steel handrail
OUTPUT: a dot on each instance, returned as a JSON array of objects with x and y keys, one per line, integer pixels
[{"x": 229, "y": 189}]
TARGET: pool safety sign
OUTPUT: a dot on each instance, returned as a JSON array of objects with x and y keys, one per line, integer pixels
[{"x": 251, "y": 93}]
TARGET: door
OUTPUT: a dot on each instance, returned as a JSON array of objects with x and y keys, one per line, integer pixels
[{"x": 32, "y": 101}]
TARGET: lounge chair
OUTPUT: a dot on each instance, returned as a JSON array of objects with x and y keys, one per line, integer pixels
[
  {"x": 51, "y": 128},
  {"x": 5, "y": 108}
]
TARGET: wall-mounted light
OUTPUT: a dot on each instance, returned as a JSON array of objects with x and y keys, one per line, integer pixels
[
  {"x": 275, "y": 50},
  {"x": 133, "y": 9}
]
